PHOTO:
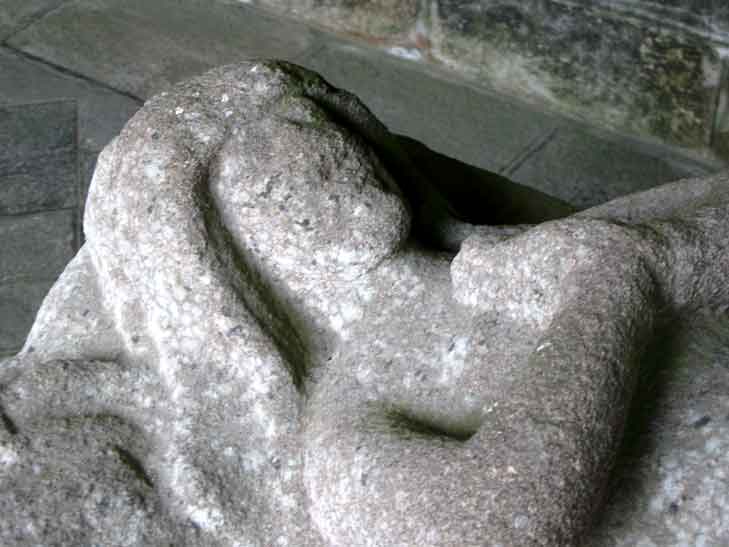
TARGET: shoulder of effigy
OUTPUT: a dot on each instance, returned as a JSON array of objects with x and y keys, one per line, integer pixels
[
  {"x": 194, "y": 117},
  {"x": 245, "y": 89}
]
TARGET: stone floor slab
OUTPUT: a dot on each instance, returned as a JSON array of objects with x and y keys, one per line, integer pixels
[
  {"x": 19, "y": 303},
  {"x": 36, "y": 246},
  {"x": 562, "y": 158},
  {"x": 49, "y": 183},
  {"x": 31, "y": 130},
  {"x": 38, "y": 157},
  {"x": 148, "y": 45},
  {"x": 473, "y": 126},
  {"x": 141, "y": 47},
  {"x": 101, "y": 112},
  {"x": 15, "y": 14},
  {"x": 585, "y": 168}
]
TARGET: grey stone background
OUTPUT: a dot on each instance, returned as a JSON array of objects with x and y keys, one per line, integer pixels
[
  {"x": 39, "y": 188},
  {"x": 652, "y": 69},
  {"x": 73, "y": 71}
]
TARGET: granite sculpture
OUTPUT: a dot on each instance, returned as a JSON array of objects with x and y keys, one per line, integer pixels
[{"x": 279, "y": 334}]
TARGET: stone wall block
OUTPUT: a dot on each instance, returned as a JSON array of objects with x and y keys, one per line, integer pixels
[
  {"x": 587, "y": 61},
  {"x": 646, "y": 69},
  {"x": 378, "y": 21}
]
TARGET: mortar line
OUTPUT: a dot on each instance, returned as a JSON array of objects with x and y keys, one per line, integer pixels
[
  {"x": 69, "y": 72},
  {"x": 35, "y": 18},
  {"x": 36, "y": 212},
  {"x": 531, "y": 150},
  {"x": 310, "y": 53}
]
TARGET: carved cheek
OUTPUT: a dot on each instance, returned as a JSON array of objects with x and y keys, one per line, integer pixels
[{"x": 306, "y": 197}]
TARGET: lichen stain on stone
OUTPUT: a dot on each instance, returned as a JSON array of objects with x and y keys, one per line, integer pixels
[
  {"x": 381, "y": 20},
  {"x": 674, "y": 72},
  {"x": 611, "y": 69}
]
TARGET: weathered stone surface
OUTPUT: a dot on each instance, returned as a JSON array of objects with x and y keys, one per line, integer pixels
[
  {"x": 379, "y": 20},
  {"x": 150, "y": 45},
  {"x": 588, "y": 60},
  {"x": 38, "y": 189},
  {"x": 38, "y": 157},
  {"x": 15, "y": 14},
  {"x": 38, "y": 209},
  {"x": 19, "y": 303},
  {"x": 262, "y": 319},
  {"x": 101, "y": 112},
  {"x": 33, "y": 130},
  {"x": 655, "y": 69},
  {"x": 586, "y": 169},
  {"x": 671, "y": 482},
  {"x": 101, "y": 499},
  {"x": 36, "y": 246},
  {"x": 453, "y": 119},
  {"x": 696, "y": 14}
]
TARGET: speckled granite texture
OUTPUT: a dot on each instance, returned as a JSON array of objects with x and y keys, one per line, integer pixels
[{"x": 279, "y": 332}]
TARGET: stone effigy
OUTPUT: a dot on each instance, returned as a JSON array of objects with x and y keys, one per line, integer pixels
[{"x": 260, "y": 343}]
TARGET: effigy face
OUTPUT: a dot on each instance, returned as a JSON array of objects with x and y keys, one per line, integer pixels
[{"x": 255, "y": 347}]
